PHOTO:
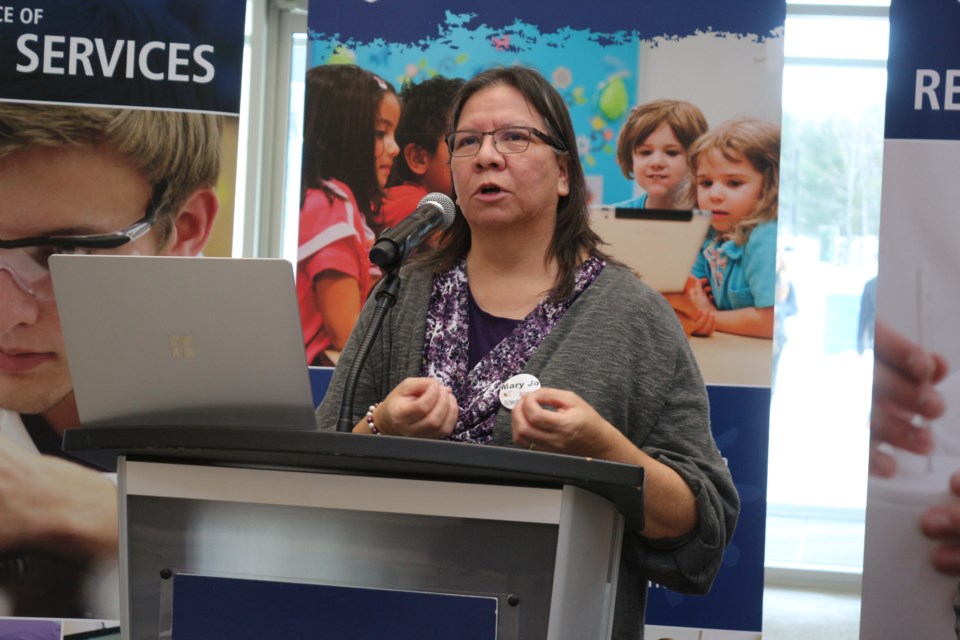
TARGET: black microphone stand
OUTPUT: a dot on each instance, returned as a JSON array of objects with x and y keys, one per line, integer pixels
[{"x": 386, "y": 298}]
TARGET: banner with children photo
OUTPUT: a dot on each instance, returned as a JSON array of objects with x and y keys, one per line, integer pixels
[
  {"x": 911, "y": 560},
  {"x": 118, "y": 135},
  {"x": 676, "y": 109}
]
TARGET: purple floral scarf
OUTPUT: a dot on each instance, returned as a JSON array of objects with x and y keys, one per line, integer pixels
[{"x": 445, "y": 348}]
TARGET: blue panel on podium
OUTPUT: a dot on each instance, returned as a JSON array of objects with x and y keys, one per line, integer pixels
[
  {"x": 207, "y": 607},
  {"x": 319, "y": 381}
]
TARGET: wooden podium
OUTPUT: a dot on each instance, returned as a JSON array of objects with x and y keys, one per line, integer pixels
[{"x": 529, "y": 542}]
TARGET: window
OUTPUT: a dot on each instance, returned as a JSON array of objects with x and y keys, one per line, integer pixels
[
  {"x": 291, "y": 191},
  {"x": 271, "y": 116},
  {"x": 833, "y": 101}
]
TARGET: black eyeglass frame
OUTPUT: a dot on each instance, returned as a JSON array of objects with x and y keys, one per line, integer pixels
[
  {"x": 96, "y": 240},
  {"x": 546, "y": 137}
]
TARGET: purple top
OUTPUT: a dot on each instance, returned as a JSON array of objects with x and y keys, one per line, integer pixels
[
  {"x": 486, "y": 331},
  {"x": 446, "y": 352}
]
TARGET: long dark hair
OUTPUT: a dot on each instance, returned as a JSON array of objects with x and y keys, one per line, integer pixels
[
  {"x": 340, "y": 111},
  {"x": 572, "y": 235}
]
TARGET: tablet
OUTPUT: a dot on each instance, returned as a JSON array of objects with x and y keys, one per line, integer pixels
[
  {"x": 183, "y": 341},
  {"x": 661, "y": 245}
]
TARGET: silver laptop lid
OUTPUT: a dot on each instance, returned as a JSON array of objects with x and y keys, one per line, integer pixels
[
  {"x": 660, "y": 245},
  {"x": 183, "y": 341}
]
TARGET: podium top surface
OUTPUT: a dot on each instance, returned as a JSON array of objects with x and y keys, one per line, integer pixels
[{"x": 323, "y": 451}]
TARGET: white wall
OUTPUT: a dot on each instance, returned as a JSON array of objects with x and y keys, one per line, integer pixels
[{"x": 725, "y": 76}]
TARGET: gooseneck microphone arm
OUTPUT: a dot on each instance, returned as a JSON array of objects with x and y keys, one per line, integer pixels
[
  {"x": 435, "y": 211},
  {"x": 386, "y": 298}
]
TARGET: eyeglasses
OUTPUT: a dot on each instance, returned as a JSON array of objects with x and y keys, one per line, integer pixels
[
  {"x": 467, "y": 142},
  {"x": 27, "y": 259}
]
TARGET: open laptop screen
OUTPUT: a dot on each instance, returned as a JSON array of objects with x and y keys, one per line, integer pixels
[{"x": 183, "y": 341}]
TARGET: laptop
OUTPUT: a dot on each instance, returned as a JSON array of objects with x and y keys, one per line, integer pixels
[
  {"x": 183, "y": 341},
  {"x": 661, "y": 245}
]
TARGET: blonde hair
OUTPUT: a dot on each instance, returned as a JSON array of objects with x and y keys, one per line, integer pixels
[
  {"x": 686, "y": 120},
  {"x": 176, "y": 152},
  {"x": 757, "y": 142}
]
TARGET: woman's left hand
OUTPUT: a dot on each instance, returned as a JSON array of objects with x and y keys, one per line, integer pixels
[
  {"x": 561, "y": 421},
  {"x": 571, "y": 425}
]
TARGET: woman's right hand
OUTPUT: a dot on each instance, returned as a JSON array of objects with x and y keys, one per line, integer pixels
[{"x": 417, "y": 408}]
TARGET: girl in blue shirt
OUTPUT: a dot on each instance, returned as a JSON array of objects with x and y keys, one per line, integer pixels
[{"x": 732, "y": 287}]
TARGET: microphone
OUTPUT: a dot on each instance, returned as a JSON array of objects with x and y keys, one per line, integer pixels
[{"x": 435, "y": 211}]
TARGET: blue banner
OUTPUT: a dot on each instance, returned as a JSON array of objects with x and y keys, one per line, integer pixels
[
  {"x": 904, "y": 594},
  {"x": 366, "y": 21},
  {"x": 923, "y": 81},
  {"x": 604, "y": 59},
  {"x": 165, "y": 54},
  {"x": 739, "y": 417}
]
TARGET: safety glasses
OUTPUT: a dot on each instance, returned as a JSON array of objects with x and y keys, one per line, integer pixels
[{"x": 27, "y": 259}]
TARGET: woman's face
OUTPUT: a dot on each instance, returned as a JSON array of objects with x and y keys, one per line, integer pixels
[
  {"x": 386, "y": 149},
  {"x": 496, "y": 190}
]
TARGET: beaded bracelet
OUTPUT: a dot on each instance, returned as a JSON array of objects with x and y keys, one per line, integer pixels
[{"x": 372, "y": 427}]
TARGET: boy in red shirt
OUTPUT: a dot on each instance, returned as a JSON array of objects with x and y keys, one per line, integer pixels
[{"x": 423, "y": 165}]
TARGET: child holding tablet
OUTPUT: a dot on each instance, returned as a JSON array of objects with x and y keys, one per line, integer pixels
[{"x": 737, "y": 169}]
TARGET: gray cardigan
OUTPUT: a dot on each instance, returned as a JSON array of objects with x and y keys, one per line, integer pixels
[{"x": 621, "y": 348}]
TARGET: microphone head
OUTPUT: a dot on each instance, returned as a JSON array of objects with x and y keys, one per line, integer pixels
[{"x": 445, "y": 203}]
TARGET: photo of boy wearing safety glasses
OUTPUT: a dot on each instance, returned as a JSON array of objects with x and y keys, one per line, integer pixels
[{"x": 76, "y": 180}]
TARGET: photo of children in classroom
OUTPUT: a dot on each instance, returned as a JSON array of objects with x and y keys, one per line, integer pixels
[
  {"x": 732, "y": 283},
  {"x": 638, "y": 101},
  {"x": 350, "y": 195},
  {"x": 349, "y": 150},
  {"x": 637, "y": 129},
  {"x": 731, "y": 171}
]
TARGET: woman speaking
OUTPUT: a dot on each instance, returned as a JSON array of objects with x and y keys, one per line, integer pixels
[{"x": 519, "y": 295}]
